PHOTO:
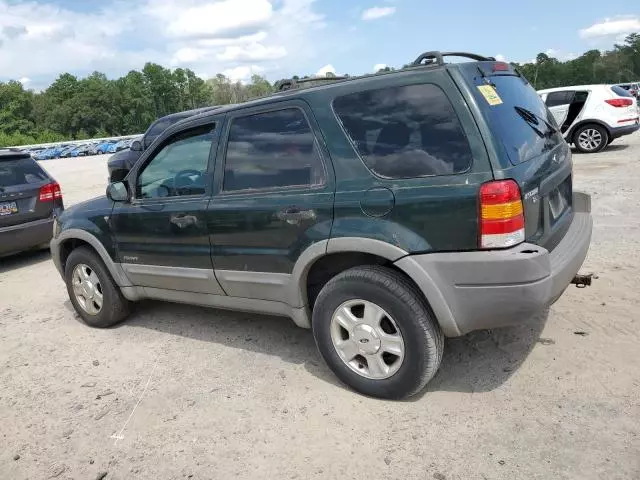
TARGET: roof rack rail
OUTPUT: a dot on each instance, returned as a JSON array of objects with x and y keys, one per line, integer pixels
[
  {"x": 438, "y": 57},
  {"x": 291, "y": 83}
]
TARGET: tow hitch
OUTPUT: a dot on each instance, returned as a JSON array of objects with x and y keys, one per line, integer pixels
[{"x": 582, "y": 281}]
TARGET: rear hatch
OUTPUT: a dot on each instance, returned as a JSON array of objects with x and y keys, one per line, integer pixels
[
  {"x": 21, "y": 182},
  {"x": 529, "y": 147}
]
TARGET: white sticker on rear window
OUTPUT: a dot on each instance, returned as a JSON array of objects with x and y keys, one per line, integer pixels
[{"x": 490, "y": 94}]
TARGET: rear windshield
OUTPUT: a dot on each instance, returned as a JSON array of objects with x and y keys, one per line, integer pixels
[
  {"x": 620, "y": 91},
  {"x": 517, "y": 115},
  {"x": 20, "y": 172}
]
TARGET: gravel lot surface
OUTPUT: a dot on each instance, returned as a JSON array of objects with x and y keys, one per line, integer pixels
[{"x": 184, "y": 392}]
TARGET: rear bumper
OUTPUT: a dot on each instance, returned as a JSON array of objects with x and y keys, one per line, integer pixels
[
  {"x": 618, "y": 132},
  {"x": 25, "y": 236},
  {"x": 479, "y": 290}
]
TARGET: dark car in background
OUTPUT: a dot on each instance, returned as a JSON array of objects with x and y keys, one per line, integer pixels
[
  {"x": 121, "y": 162},
  {"x": 30, "y": 199}
]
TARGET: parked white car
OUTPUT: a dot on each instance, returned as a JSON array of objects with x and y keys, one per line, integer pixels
[{"x": 592, "y": 116}]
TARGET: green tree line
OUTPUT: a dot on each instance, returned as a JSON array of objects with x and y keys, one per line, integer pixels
[{"x": 74, "y": 108}]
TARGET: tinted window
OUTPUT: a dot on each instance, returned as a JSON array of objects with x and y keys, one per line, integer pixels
[
  {"x": 559, "y": 98},
  {"x": 179, "y": 168},
  {"x": 404, "y": 132},
  {"x": 20, "y": 172},
  {"x": 270, "y": 150},
  {"x": 621, "y": 92}
]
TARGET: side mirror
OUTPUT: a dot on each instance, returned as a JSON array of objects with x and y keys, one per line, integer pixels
[
  {"x": 136, "y": 146},
  {"x": 117, "y": 192}
]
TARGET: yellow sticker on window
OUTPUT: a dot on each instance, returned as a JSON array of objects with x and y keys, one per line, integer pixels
[{"x": 490, "y": 94}]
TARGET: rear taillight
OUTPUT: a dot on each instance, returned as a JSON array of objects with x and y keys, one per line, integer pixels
[
  {"x": 620, "y": 102},
  {"x": 501, "y": 214},
  {"x": 49, "y": 192}
]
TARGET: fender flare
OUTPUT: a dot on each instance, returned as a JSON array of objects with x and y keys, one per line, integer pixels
[
  {"x": 116, "y": 271},
  {"x": 401, "y": 259}
]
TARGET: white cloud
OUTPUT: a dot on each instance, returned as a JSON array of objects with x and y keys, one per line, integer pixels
[
  {"x": 326, "y": 69},
  {"x": 379, "y": 66},
  {"x": 214, "y": 20},
  {"x": 24, "y": 81},
  {"x": 617, "y": 27},
  {"x": 501, "y": 58},
  {"x": 242, "y": 73},
  {"x": 374, "y": 13},
  {"x": 253, "y": 52},
  {"x": 41, "y": 40}
]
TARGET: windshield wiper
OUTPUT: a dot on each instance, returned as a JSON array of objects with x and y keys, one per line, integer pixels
[{"x": 533, "y": 120}]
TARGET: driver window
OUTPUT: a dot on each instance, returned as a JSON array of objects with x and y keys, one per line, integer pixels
[{"x": 179, "y": 168}]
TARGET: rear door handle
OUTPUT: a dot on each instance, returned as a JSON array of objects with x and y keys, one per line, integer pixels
[{"x": 294, "y": 215}]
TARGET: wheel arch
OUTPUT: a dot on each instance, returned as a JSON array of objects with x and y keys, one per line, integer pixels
[
  {"x": 337, "y": 255},
  {"x": 588, "y": 121},
  {"x": 75, "y": 238}
]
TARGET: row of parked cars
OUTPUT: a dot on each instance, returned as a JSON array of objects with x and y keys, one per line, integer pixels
[{"x": 79, "y": 150}]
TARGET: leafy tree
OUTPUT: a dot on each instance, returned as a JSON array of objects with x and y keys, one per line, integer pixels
[{"x": 95, "y": 106}]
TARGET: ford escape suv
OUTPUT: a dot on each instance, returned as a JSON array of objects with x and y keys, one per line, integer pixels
[{"x": 384, "y": 212}]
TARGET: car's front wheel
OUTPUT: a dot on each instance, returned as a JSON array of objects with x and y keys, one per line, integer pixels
[
  {"x": 590, "y": 138},
  {"x": 376, "y": 332},
  {"x": 92, "y": 291}
]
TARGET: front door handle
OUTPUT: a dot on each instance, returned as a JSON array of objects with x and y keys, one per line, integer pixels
[
  {"x": 294, "y": 215},
  {"x": 182, "y": 220}
]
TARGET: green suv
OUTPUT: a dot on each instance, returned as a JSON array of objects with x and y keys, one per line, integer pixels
[{"x": 384, "y": 212}]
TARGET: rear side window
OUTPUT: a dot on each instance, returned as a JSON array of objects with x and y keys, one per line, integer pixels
[
  {"x": 20, "y": 172},
  {"x": 405, "y": 132},
  {"x": 555, "y": 99},
  {"x": 621, "y": 92},
  {"x": 272, "y": 150}
]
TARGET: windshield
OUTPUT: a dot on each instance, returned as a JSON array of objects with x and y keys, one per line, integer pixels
[{"x": 517, "y": 116}]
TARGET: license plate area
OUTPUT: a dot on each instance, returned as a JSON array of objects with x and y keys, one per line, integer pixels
[
  {"x": 560, "y": 200},
  {"x": 8, "y": 208}
]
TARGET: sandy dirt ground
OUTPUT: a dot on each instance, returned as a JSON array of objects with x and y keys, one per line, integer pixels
[{"x": 184, "y": 392}]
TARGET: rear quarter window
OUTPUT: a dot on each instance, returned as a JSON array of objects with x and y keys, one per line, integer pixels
[
  {"x": 405, "y": 132},
  {"x": 20, "y": 172}
]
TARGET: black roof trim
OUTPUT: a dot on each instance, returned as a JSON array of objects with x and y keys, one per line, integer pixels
[
  {"x": 438, "y": 57},
  {"x": 291, "y": 83}
]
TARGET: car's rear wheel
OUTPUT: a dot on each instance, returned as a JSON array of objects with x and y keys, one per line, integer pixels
[
  {"x": 376, "y": 332},
  {"x": 590, "y": 138},
  {"x": 92, "y": 291}
]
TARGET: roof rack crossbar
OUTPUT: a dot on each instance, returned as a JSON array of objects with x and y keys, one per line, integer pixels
[
  {"x": 291, "y": 83},
  {"x": 438, "y": 57}
]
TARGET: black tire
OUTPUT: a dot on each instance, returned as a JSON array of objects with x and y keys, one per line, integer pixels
[
  {"x": 604, "y": 138},
  {"x": 396, "y": 295},
  {"x": 115, "y": 308}
]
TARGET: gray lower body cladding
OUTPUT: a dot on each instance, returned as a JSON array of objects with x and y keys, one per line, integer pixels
[{"x": 480, "y": 290}]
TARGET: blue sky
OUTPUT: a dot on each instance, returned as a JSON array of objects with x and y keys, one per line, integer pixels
[{"x": 39, "y": 39}]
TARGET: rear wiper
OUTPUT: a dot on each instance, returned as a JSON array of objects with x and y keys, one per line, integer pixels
[{"x": 532, "y": 119}]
